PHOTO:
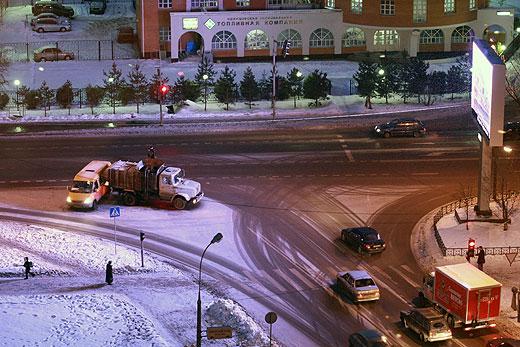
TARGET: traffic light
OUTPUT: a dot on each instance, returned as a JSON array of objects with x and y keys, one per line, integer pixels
[
  {"x": 141, "y": 236},
  {"x": 285, "y": 47},
  {"x": 471, "y": 248},
  {"x": 164, "y": 89}
]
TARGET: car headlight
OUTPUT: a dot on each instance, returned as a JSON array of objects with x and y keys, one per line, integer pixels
[
  {"x": 69, "y": 200},
  {"x": 87, "y": 200},
  {"x": 378, "y": 130}
]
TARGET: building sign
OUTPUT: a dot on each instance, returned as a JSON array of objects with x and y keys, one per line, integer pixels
[
  {"x": 190, "y": 23},
  {"x": 252, "y": 21},
  {"x": 209, "y": 23}
]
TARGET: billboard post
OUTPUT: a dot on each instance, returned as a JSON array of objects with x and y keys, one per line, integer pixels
[{"x": 487, "y": 104}]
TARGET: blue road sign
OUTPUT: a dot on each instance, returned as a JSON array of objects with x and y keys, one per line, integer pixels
[{"x": 115, "y": 212}]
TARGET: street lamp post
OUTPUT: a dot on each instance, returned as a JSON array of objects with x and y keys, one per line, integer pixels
[
  {"x": 205, "y": 78},
  {"x": 215, "y": 239},
  {"x": 17, "y": 84}
]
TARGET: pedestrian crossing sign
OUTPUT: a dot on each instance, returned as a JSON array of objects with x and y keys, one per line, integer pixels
[{"x": 115, "y": 212}]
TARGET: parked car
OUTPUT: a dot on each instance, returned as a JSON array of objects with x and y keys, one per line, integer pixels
[
  {"x": 51, "y": 24},
  {"x": 98, "y": 7},
  {"x": 358, "y": 284},
  {"x": 503, "y": 342},
  {"x": 50, "y": 53},
  {"x": 512, "y": 131},
  {"x": 429, "y": 323},
  {"x": 401, "y": 127},
  {"x": 46, "y": 15},
  {"x": 46, "y": 6},
  {"x": 367, "y": 338},
  {"x": 364, "y": 239}
]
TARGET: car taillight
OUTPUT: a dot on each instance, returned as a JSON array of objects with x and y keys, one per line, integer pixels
[{"x": 367, "y": 246}]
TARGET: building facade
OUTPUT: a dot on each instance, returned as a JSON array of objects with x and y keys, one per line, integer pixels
[{"x": 252, "y": 28}]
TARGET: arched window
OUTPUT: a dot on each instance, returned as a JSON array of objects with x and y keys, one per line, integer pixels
[
  {"x": 292, "y": 35},
  {"x": 256, "y": 39},
  {"x": 431, "y": 37},
  {"x": 386, "y": 37},
  {"x": 353, "y": 37},
  {"x": 322, "y": 38},
  {"x": 224, "y": 40},
  {"x": 462, "y": 34}
]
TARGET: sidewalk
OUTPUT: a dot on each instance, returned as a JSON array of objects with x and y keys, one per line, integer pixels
[{"x": 454, "y": 235}]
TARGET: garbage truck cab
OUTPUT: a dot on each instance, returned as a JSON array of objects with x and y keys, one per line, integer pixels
[{"x": 87, "y": 187}]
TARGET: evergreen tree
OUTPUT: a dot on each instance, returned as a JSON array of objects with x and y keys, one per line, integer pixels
[
  {"x": 205, "y": 68},
  {"x": 4, "y": 100},
  {"x": 22, "y": 98},
  {"x": 388, "y": 79},
  {"x": 295, "y": 84},
  {"x": 437, "y": 82},
  {"x": 464, "y": 63},
  {"x": 226, "y": 89},
  {"x": 156, "y": 81},
  {"x": 32, "y": 99},
  {"x": 138, "y": 85},
  {"x": 113, "y": 84},
  {"x": 4, "y": 65},
  {"x": 366, "y": 77},
  {"x": 265, "y": 85},
  {"x": 65, "y": 95},
  {"x": 283, "y": 90},
  {"x": 316, "y": 86},
  {"x": 249, "y": 87},
  {"x": 46, "y": 95},
  {"x": 94, "y": 96},
  {"x": 418, "y": 71},
  {"x": 454, "y": 81},
  {"x": 185, "y": 89}
]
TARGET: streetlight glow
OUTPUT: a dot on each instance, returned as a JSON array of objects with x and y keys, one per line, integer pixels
[
  {"x": 508, "y": 149},
  {"x": 17, "y": 82},
  {"x": 299, "y": 74},
  {"x": 381, "y": 72},
  {"x": 205, "y": 77}
]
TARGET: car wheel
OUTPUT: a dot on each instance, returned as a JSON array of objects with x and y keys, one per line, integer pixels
[
  {"x": 63, "y": 29},
  {"x": 422, "y": 338},
  {"x": 43, "y": 60},
  {"x": 179, "y": 203},
  {"x": 40, "y": 30},
  {"x": 386, "y": 135},
  {"x": 405, "y": 323},
  {"x": 67, "y": 57},
  {"x": 415, "y": 134},
  {"x": 129, "y": 199}
]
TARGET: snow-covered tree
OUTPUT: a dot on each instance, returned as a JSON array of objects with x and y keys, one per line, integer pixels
[
  {"x": 113, "y": 84},
  {"x": 226, "y": 90}
]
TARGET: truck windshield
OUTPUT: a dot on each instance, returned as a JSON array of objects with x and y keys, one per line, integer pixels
[
  {"x": 364, "y": 282},
  {"x": 81, "y": 187}
]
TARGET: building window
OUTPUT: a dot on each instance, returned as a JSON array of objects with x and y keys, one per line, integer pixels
[
  {"x": 353, "y": 37},
  {"x": 165, "y": 3},
  {"x": 449, "y": 6},
  {"x": 195, "y": 4},
  {"x": 243, "y": 3},
  {"x": 256, "y": 39},
  {"x": 290, "y": 3},
  {"x": 419, "y": 11},
  {"x": 387, "y": 7},
  {"x": 292, "y": 36},
  {"x": 431, "y": 37},
  {"x": 321, "y": 38},
  {"x": 165, "y": 34},
  {"x": 472, "y": 5},
  {"x": 330, "y": 4},
  {"x": 356, "y": 6},
  {"x": 224, "y": 40},
  {"x": 386, "y": 37},
  {"x": 462, "y": 34}
]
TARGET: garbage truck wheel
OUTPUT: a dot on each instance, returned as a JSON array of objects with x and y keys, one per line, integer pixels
[
  {"x": 179, "y": 203},
  {"x": 129, "y": 199}
]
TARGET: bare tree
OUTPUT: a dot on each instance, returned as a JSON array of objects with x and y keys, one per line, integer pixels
[
  {"x": 506, "y": 197},
  {"x": 4, "y": 65},
  {"x": 513, "y": 78},
  {"x": 465, "y": 195}
]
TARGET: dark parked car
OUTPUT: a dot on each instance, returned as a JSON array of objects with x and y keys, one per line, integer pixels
[
  {"x": 401, "y": 127},
  {"x": 47, "y": 6},
  {"x": 364, "y": 239},
  {"x": 512, "y": 131},
  {"x": 367, "y": 338},
  {"x": 98, "y": 7},
  {"x": 503, "y": 342}
]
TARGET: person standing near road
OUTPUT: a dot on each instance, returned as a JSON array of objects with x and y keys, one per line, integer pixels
[
  {"x": 109, "y": 277},
  {"x": 28, "y": 265},
  {"x": 481, "y": 258}
]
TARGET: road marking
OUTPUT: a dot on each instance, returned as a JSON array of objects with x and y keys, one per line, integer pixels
[
  {"x": 348, "y": 153},
  {"x": 287, "y": 279},
  {"x": 304, "y": 279},
  {"x": 406, "y": 278},
  {"x": 424, "y": 173}
]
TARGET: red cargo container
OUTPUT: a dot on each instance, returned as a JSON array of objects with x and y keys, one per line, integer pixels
[{"x": 469, "y": 297}]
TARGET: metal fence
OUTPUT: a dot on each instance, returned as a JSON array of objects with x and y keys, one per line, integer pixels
[
  {"x": 451, "y": 207},
  {"x": 82, "y": 49}
]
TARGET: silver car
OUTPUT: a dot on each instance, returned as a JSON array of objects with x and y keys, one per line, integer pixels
[
  {"x": 428, "y": 323},
  {"x": 51, "y": 24},
  {"x": 359, "y": 285},
  {"x": 47, "y": 15}
]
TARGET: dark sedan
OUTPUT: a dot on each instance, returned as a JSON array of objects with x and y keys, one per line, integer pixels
[
  {"x": 364, "y": 239},
  {"x": 401, "y": 127},
  {"x": 367, "y": 338},
  {"x": 503, "y": 342}
]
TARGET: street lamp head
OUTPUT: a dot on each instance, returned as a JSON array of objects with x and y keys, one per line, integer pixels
[
  {"x": 111, "y": 79},
  {"x": 41, "y": 68},
  {"x": 17, "y": 82},
  {"x": 217, "y": 238},
  {"x": 508, "y": 149},
  {"x": 299, "y": 74},
  {"x": 205, "y": 77},
  {"x": 381, "y": 72}
]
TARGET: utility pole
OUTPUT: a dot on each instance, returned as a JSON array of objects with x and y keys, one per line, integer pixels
[
  {"x": 159, "y": 94},
  {"x": 273, "y": 97}
]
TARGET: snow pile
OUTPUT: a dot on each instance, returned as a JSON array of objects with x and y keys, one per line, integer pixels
[
  {"x": 75, "y": 320},
  {"x": 57, "y": 252},
  {"x": 225, "y": 312}
]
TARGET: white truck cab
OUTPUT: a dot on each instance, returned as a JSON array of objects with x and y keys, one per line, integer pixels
[{"x": 173, "y": 185}]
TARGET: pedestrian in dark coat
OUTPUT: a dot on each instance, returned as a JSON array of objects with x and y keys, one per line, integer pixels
[
  {"x": 27, "y": 265},
  {"x": 109, "y": 278},
  {"x": 481, "y": 258}
]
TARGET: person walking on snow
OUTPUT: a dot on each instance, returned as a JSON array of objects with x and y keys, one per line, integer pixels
[
  {"x": 481, "y": 258},
  {"x": 28, "y": 265},
  {"x": 109, "y": 277}
]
